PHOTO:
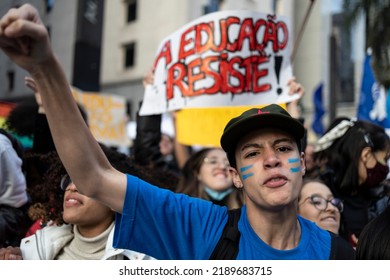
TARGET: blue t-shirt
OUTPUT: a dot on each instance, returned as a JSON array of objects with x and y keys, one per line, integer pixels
[{"x": 166, "y": 225}]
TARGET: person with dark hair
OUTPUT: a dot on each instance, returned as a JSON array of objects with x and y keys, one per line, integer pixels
[
  {"x": 263, "y": 146},
  {"x": 374, "y": 240},
  {"x": 354, "y": 156},
  {"x": 40, "y": 162},
  {"x": 206, "y": 175},
  {"x": 45, "y": 172},
  {"x": 76, "y": 226}
]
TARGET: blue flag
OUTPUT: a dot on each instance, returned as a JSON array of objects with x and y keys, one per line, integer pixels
[
  {"x": 372, "y": 103},
  {"x": 366, "y": 101},
  {"x": 386, "y": 122},
  {"x": 319, "y": 111}
]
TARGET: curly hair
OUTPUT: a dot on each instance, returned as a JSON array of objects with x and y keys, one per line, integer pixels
[{"x": 43, "y": 174}]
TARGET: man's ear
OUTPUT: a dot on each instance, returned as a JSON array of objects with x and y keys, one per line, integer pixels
[
  {"x": 303, "y": 163},
  {"x": 365, "y": 154},
  {"x": 236, "y": 178}
]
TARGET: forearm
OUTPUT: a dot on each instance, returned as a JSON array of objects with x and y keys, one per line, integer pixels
[{"x": 76, "y": 146}]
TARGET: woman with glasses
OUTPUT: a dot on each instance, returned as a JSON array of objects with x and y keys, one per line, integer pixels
[
  {"x": 317, "y": 203},
  {"x": 206, "y": 175}
]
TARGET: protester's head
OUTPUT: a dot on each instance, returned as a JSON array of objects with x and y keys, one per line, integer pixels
[
  {"x": 264, "y": 147},
  {"x": 357, "y": 152},
  {"x": 166, "y": 144},
  {"x": 317, "y": 203},
  {"x": 272, "y": 117},
  {"x": 374, "y": 241},
  {"x": 206, "y": 171}
]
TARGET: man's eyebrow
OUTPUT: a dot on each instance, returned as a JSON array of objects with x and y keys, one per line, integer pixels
[
  {"x": 280, "y": 140},
  {"x": 250, "y": 145},
  {"x": 275, "y": 142}
]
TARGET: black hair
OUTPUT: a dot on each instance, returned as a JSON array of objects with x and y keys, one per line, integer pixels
[
  {"x": 344, "y": 154},
  {"x": 374, "y": 241}
]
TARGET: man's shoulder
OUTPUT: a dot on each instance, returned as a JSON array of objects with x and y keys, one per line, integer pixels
[{"x": 311, "y": 231}]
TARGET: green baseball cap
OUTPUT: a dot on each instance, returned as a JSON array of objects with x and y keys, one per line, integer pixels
[{"x": 271, "y": 116}]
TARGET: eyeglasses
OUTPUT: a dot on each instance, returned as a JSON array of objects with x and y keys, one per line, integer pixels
[
  {"x": 321, "y": 203},
  {"x": 65, "y": 182},
  {"x": 215, "y": 162}
]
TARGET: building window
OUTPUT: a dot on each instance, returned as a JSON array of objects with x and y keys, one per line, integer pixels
[
  {"x": 131, "y": 10},
  {"x": 342, "y": 63},
  {"x": 129, "y": 55},
  {"x": 11, "y": 80}
]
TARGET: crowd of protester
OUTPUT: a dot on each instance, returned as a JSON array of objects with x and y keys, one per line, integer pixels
[{"x": 165, "y": 200}]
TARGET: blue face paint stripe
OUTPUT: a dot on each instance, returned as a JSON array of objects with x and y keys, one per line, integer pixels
[
  {"x": 246, "y": 176},
  {"x": 293, "y": 160},
  {"x": 295, "y": 169},
  {"x": 245, "y": 168}
]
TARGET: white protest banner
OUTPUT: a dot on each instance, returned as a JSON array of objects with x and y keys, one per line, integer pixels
[{"x": 228, "y": 58}]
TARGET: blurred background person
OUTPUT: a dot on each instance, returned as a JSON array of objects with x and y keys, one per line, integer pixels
[
  {"x": 206, "y": 175},
  {"x": 317, "y": 203}
]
